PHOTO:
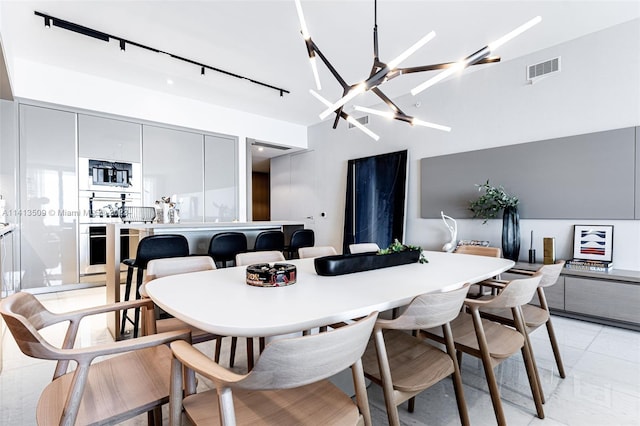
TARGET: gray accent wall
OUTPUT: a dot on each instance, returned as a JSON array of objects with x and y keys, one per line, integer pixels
[{"x": 590, "y": 176}]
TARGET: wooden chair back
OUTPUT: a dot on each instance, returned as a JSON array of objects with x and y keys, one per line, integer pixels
[
  {"x": 243, "y": 259},
  {"x": 320, "y": 355},
  {"x": 480, "y": 251},
  {"x": 317, "y": 251},
  {"x": 515, "y": 293},
  {"x": 363, "y": 248},
  {"x": 88, "y": 395},
  {"x": 25, "y": 315},
  {"x": 428, "y": 310},
  {"x": 159, "y": 268},
  {"x": 550, "y": 273}
]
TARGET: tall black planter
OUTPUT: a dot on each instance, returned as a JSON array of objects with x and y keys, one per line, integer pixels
[{"x": 511, "y": 233}]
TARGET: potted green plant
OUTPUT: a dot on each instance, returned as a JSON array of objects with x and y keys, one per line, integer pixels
[{"x": 488, "y": 206}]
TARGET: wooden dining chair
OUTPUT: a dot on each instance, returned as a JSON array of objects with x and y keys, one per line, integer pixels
[
  {"x": 317, "y": 251},
  {"x": 159, "y": 268},
  {"x": 363, "y": 248},
  {"x": 287, "y": 386},
  {"x": 267, "y": 256},
  {"x": 244, "y": 259},
  {"x": 405, "y": 365},
  {"x": 493, "y": 342},
  {"x": 535, "y": 316},
  {"x": 133, "y": 379},
  {"x": 477, "y": 290}
]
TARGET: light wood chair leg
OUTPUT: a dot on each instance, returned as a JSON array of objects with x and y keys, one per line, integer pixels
[
  {"x": 456, "y": 376},
  {"x": 555, "y": 348},
  {"x": 362, "y": 399},
  {"x": 488, "y": 368},
  {"x": 385, "y": 376},
  {"x": 175, "y": 395},
  {"x": 527, "y": 355}
]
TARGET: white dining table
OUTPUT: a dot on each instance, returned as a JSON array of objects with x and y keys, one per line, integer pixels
[{"x": 220, "y": 301}]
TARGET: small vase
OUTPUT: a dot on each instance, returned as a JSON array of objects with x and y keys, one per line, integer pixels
[{"x": 511, "y": 233}]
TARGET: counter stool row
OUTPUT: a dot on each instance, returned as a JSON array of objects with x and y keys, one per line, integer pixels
[{"x": 223, "y": 248}]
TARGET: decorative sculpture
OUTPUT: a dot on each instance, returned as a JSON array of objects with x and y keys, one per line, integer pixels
[{"x": 452, "y": 225}]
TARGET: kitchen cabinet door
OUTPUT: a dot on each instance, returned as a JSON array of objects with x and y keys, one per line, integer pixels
[
  {"x": 172, "y": 163},
  {"x": 48, "y": 213},
  {"x": 220, "y": 178},
  {"x": 102, "y": 138}
]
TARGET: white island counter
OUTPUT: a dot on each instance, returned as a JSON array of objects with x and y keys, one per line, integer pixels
[{"x": 198, "y": 235}]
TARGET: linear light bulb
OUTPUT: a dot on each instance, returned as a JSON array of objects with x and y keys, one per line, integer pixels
[
  {"x": 319, "y": 97},
  {"x": 357, "y": 124},
  {"x": 303, "y": 24},
  {"x": 418, "y": 122},
  {"x": 360, "y": 88},
  {"x": 522, "y": 28},
  {"x": 439, "y": 77},
  {"x": 410, "y": 51},
  {"x": 314, "y": 68},
  {"x": 350, "y": 119},
  {"x": 387, "y": 114}
]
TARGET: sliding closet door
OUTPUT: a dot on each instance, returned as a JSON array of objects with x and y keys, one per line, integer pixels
[{"x": 375, "y": 203}]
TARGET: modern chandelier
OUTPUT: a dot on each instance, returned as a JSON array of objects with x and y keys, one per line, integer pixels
[{"x": 382, "y": 72}]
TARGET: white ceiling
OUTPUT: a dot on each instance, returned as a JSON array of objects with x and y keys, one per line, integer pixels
[{"x": 261, "y": 40}]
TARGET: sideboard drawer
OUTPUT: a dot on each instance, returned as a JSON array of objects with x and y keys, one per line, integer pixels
[{"x": 603, "y": 298}]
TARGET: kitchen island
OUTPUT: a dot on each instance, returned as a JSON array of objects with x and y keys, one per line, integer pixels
[{"x": 198, "y": 235}]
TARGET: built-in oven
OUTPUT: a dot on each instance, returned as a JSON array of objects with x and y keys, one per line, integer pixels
[{"x": 93, "y": 247}]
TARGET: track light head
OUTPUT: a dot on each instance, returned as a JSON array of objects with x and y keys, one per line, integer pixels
[
  {"x": 47, "y": 22},
  {"x": 123, "y": 45}
]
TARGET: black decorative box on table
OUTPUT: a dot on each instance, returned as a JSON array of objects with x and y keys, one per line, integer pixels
[{"x": 350, "y": 263}]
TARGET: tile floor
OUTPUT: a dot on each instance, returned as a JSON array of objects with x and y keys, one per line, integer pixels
[{"x": 602, "y": 385}]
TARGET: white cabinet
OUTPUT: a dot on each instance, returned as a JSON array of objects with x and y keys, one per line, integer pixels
[
  {"x": 172, "y": 164},
  {"x": 220, "y": 179},
  {"x": 108, "y": 139},
  {"x": 48, "y": 197}
]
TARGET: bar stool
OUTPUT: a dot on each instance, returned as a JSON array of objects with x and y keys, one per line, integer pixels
[
  {"x": 223, "y": 247},
  {"x": 149, "y": 248},
  {"x": 269, "y": 241},
  {"x": 300, "y": 238}
]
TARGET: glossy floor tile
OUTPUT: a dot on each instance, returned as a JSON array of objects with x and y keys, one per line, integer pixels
[{"x": 602, "y": 385}]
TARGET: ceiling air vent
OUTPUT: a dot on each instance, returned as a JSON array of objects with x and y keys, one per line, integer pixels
[
  {"x": 362, "y": 120},
  {"x": 535, "y": 72}
]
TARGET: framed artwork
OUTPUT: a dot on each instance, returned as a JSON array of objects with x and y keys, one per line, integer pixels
[{"x": 593, "y": 242}]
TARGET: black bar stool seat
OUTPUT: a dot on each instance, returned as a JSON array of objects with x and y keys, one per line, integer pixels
[
  {"x": 224, "y": 246},
  {"x": 149, "y": 248}
]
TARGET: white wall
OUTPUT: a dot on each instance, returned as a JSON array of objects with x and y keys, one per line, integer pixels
[{"x": 598, "y": 89}]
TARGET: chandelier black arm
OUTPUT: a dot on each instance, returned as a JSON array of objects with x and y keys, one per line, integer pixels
[
  {"x": 312, "y": 47},
  {"x": 398, "y": 113},
  {"x": 387, "y": 101},
  {"x": 339, "y": 113},
  {"x": 434, "y": 67}
]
